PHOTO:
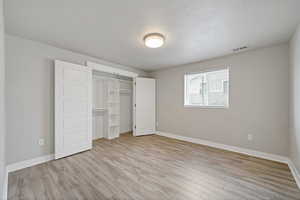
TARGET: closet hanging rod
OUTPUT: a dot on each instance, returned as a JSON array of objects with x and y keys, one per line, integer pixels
[{"x": 105, "y": 77}]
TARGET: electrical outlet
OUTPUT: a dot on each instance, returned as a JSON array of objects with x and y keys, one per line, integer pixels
[
  {"x": 250, "y": 137},
  {"x": 41, "y": 142}
]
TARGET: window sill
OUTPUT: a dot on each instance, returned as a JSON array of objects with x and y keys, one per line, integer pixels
[{"x": 198, "y": 106}]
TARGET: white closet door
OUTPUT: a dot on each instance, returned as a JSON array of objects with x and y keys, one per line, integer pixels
[
  {"x": 144, "y": 106},
  {"x": 73, "y": 109}
]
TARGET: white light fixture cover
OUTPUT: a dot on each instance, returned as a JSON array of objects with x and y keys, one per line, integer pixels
[{"x": 154, "y": 40}]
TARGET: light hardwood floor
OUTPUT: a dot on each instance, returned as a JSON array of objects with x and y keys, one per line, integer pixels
[{"x": 154, "y": 168}]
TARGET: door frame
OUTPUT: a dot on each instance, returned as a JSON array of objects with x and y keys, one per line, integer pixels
[{"x": 112, "y": 70}]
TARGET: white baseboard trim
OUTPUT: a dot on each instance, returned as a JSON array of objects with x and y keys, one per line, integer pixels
[
  {"x": 249, "y": 152},
  {"x": 28, "y": 163},
  {"x": 5, "y": 185},
  {"x": 295, "y": 172}
]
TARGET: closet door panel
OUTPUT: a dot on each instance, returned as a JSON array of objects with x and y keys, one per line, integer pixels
[
  {"x": 73, "y": 109},
  {"x": 145, "y": 106}
]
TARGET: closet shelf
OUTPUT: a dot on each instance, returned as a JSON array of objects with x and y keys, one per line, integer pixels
[
  {"x": 99, "y": 109},
  {"x": 113, "y": 125},
  {"x": 107, "y": 103},
  {"x": 114, "y": 102},
  {"x": 126, "y": 91}
]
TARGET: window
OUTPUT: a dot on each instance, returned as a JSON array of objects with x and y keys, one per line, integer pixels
[{"x": 207, "y": 89}]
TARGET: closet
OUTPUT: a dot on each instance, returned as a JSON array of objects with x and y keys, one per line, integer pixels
[
  {"x": 95, "y": 101},
  {"x": 112, "y": 105}
]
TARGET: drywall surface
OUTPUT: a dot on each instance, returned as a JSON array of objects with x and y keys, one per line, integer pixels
[
  {"x": 2, "y": 105},
  {"x": 258, "y": 102},
  {"x": 125, "y": 112},
  {"x": 295, "y": 98},
  {"x": 30, "y": 95}
]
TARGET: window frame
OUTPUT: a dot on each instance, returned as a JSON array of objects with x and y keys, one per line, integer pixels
[{"x": 206, "y": 106}]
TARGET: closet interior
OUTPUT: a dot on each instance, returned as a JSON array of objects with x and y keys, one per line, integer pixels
[{"x": 112, "y": 105}]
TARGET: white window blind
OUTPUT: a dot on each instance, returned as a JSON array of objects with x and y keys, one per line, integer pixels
[{"x": 209, "y": 89}]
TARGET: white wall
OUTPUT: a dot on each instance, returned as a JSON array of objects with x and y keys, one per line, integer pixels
[
  {"x": 125, "y": 113},
  {"x": 30, "y": 94},
  {"x": 295, "y": 98},
  {"x": 2, "y": 106},
  {"x": 258, "y": 102}
]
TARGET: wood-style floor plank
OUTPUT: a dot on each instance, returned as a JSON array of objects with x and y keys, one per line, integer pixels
[{"x": 154, "y": 167}]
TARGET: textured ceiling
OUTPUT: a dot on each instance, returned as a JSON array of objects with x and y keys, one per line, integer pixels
[{"x": 113, "y": 29}]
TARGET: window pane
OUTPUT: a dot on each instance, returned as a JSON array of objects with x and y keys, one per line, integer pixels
[
  {"x": 196, "y": 90},
  {"x": 217, "y": 93},
  {"x": 207, "y": 89}
]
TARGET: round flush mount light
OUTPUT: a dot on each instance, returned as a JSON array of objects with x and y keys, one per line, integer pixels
[{"x": 154, "y": 40}]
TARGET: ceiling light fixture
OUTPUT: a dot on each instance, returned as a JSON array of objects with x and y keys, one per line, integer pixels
[{"x": 154, "y": 40}]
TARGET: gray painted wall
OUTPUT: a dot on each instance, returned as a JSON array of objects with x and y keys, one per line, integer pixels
[
  {"x": 125, "y": 112},
  {"x": 2, "y": 103},
  {"x": 30, "y": 95},
  {"x": 295, "y": 98},
  {"x": 258, "y": 102}
]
